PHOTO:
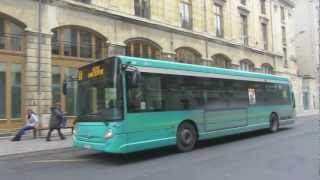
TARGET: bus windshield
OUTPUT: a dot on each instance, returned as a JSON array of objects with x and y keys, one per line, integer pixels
[{"x": 100, "y": 99}]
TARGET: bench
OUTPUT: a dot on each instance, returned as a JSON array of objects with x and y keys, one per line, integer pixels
[{"x": 37, "y": 131}]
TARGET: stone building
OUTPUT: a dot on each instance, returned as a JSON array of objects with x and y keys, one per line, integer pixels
[
  {"x": 43, "y": 42},
  {"x": 306, "y": 16}
]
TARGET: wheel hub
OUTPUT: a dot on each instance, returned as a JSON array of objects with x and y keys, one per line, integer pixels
[{"x": 186, "y": 136}]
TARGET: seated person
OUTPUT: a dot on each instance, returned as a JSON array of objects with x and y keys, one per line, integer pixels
[{"x": 31, "y": 123}]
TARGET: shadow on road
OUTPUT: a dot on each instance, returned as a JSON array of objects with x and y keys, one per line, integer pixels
[{"x": 115, "y": 159}]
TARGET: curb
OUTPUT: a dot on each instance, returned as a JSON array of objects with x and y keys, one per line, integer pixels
[
  {"x": 39, "y": 152},
  {"x": 30, "y": 137}
]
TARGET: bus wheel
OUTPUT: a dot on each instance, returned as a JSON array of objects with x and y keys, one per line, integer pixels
[
  {"x": 274, "y": 123},
  {"x": 186, "y": 137}
]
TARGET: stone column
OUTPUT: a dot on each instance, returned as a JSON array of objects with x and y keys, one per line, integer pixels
[
  {"x": 116, "y": 49},
  {"x": 38, "y": 83},
  {"x": 170, "y": 56}
]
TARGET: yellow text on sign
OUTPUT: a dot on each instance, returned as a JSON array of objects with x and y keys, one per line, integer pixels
[{"x": 96, "y": 71}]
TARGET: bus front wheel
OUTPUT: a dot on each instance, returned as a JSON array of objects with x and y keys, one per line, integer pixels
[
  {"x": 274, "y": 123},
  {"x": 186, "y": 137}
]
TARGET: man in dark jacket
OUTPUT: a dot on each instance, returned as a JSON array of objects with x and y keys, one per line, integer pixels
[{"x": 55, "y": 121}]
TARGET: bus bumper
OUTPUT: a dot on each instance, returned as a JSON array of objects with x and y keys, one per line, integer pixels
[{"x": 112, "y": 145}]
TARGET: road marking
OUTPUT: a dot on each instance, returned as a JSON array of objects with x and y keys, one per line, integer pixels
[{"x": 61, "y": 160}]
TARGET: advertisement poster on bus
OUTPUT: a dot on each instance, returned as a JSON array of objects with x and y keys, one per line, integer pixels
[{"x": 252, "y": 96}]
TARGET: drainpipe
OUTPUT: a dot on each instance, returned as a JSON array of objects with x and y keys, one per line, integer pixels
[
  {"x": 272, "y": 33},
  {"x": 39, "y": 53},
  {"x": 205, "y": 26}
]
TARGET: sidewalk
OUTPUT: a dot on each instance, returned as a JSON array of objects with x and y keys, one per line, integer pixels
[
  {"x": 307, "y": 113},
  {"x": 33, "y": 145}
]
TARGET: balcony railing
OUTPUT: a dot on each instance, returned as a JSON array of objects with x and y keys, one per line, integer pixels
[
  {"x": 83, "y": 50},
  {"x": 11, "y": 42}
]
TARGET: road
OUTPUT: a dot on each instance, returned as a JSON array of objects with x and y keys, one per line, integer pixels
[{"x": 292, "y": 153}]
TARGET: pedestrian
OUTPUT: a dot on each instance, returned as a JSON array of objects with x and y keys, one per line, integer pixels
[
  {"x": 56, "y": 121},
  {"x": 31, "y": 123}
]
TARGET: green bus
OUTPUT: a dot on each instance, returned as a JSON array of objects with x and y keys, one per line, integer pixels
[{"x": 128, "y": 104}]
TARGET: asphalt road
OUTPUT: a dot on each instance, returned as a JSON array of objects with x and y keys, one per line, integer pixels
[{"x": 291, "y": 154}]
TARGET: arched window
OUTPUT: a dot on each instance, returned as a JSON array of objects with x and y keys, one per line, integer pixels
[
  {"x": 145, "y": 48},
  {"x": 188, "y": 55},
  {"x": 220, "y": 60},
  {"x": 246, "y": 65},
  {"x": 78, "y": 42},
  {"x": 267, "y": 68},
  {"x": 11, "y": 34}
]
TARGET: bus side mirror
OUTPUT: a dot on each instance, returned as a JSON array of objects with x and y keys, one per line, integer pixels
[
  {"x": 136, "y": 78},
  {"x": 64, "y": 87}
]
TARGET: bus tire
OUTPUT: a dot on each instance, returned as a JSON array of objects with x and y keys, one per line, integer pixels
[
  {"x": 274, "y": 123},
  {"x": 186, "y": 137}
]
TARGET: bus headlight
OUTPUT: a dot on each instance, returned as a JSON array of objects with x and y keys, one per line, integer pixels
[{"x": 108, "y": 134}]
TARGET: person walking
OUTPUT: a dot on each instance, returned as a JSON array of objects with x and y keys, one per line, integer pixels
[
  {"x": 56, "y": 121},
  {"x": 31, "y": 123}
]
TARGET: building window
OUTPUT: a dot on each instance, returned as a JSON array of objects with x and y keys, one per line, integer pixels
[
  {"x": 56, "y": 84},
  {"x": 2, "y": 40},
  {"x": 186, "y": 14},
  {"x": 244, "y": 29},
  {"x": 246, "y": 65},
  {"x": 188, "y": 55},
  {"x": 86, "y": 44},
  {"x": 2, "y": 91},
  {"x": 68, "y": 102},
  {"x": 264, "y": 28},
  {"x": 267, "y": 69},
  {"x": 263, "y": 6},
  {"x": 143, "y": 48},
  {"x": 283, "y": 18},
  {"x": 221, "y": 61},
  {"x": 16, "y": 90},
  {"x": 285, "y": 58},
  {"x": 70, "y": 42},
  {"x": 284, "y": 35},
  {"x": 76, "y": 42},
  {"x": 11, "y": 35},
  {"x": 218, "y": 16},
  {"x": 243, "y": 2},
  {"x": 13, "y": 83},
  {"x": 70, "y": 74},
  {"x": 142, "y": 8}
]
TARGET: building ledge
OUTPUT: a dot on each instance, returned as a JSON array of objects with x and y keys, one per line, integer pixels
[{"x": 289, "y": 3}]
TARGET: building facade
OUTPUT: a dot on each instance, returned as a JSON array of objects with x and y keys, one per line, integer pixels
[
  {"x": 306, "y": 16},
  {"x": 44, "y": 42}
]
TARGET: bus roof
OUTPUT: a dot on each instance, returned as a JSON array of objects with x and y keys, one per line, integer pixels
[{"x": 155, "y": 63}]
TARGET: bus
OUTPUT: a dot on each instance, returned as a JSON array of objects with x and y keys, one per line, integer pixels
[{"x": 128, "y": 104}]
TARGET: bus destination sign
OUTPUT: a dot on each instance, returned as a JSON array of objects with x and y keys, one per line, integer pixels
[{"x": 94, "y": 72}]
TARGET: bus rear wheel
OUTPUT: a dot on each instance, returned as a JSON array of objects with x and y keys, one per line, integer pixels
[
  {"x": 274, "y": 123},
  {"x": 186, "y": 137}
]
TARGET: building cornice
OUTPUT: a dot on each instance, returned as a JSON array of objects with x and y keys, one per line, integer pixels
[
  {"x": 89, "y": 8},
  {"x": 289, "y": 3}
]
